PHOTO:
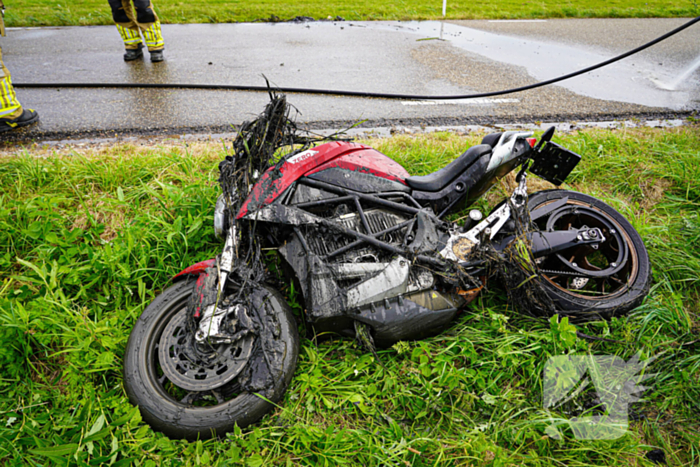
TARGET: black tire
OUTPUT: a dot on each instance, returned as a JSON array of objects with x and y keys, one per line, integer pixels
[
  {"x": 627, "y": 292},
  {"x": 182, "y": 420}
]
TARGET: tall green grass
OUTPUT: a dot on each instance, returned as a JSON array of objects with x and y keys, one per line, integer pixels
[
  {"x": 88, "y": 238},
  {"x": 96, "y": 12}
]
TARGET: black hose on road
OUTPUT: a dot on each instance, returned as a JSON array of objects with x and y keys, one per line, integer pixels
[{"x": 380, "y": 95}]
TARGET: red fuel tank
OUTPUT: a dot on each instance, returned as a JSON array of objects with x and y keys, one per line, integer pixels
[{"x": 337, "y": 154}]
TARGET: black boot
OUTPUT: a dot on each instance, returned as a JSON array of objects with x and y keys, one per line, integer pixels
[
  {"x": 157, "y": 55},
  {"x": 28, "y": 117},
  {"x": 133, "y": 54}
]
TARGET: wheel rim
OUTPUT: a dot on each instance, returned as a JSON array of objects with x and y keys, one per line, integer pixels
[
  {"x": 199, "y": 367},
  {"x": 169, "y": 389},
  {"x": 584, "y": 272}
]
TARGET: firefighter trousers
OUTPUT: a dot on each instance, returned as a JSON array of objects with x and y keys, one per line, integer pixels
[
  {"x": 129, "y": 24},
  {"x": 9, "y": 106}
]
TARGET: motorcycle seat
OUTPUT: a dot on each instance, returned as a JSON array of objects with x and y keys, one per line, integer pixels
[
  {"x": 436, "y": 181},
  {"x": 491, "y": 139}
]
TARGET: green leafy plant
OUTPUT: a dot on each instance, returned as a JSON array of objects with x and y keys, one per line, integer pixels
[{"x": 564, "y": 334}]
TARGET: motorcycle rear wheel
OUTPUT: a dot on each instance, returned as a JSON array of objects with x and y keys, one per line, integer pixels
[
  {"x": 180, "y": 413},
  {"x": 593, "y": 298}
]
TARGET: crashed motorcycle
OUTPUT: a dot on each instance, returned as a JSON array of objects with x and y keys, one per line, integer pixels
[{"x": 374, "y": 253}]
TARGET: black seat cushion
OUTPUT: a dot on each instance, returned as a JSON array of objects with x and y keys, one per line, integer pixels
[
  {"x": 436, "y": 181},
  {"x": 491, "y": 139}
]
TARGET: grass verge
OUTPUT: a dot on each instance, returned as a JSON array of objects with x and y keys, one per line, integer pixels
[
  {"x": 88, "y": 237},
  {"x": 96, "y": 12}
]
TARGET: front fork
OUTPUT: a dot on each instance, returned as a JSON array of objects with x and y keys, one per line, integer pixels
[
  {"x": 226, "y": 262},
  {"x": 212, "y": 316}
]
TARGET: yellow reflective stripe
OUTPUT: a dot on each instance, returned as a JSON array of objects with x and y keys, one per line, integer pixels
[
  {"x": 129, "y": 36},
  {"x": 157, "y": 31},
  {"x": 7, "y": 94},
  {"x": 123, "y": 32},
  {"x": 153, "y": 35},
  {"x": 9, "y": 110},
  {"x": 3, "y": 96},
  {"x": 134, "y": 35},
  {"x": 13, "y": 95}
]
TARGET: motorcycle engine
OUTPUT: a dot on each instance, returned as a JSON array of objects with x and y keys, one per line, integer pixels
[
  {"x": 343, "y": 279},
  {"x": 357, "y": 262}
]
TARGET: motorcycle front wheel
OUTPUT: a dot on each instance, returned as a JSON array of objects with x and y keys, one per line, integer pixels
[
  {"x": 238, "y": 384},
  {"x": 592, "y": 283}
]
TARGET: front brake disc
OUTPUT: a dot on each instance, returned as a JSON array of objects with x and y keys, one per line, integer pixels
[{"x": 181, "y": 366}]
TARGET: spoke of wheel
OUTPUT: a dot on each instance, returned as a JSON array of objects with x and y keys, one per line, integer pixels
[
  {"x": 219, "y": 398},
  {"x": 565, "y": 266},
  {"x": 189, "y": 398},
  {"x": 162, "y": 380},
  {"x": 616, "y": 280},
  {"x": 587, "y": 265}
]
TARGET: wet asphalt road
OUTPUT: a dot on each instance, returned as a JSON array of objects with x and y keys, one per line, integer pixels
[{"x": 397, "y": 57}]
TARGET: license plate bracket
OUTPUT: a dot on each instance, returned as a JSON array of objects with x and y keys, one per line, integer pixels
[{"x": 554, "y": 163}]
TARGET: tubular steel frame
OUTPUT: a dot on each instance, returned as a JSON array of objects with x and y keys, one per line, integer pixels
[{"x": 345, "y": 195}]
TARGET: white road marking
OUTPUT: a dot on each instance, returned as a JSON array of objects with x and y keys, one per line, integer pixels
[
  {"x": 463, "y": 102},
  {"x": 517, "y": 21}
]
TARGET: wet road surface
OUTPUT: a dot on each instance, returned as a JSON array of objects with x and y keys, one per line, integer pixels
[{"x": 396, "y": 57}]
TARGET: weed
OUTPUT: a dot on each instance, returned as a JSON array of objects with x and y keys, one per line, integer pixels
[{"x": 87, "y": 240}]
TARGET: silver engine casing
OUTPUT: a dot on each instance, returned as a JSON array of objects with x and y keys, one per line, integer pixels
[{"x": 397, "y": 299}]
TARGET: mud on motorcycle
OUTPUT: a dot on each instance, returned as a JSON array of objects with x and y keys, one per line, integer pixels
[{"x": 372, "y": 251}]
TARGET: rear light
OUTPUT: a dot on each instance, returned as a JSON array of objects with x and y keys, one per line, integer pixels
[{"x": 532, "y": 141}]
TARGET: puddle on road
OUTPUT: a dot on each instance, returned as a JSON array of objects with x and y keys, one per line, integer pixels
[{"x": 633, "y": 80}]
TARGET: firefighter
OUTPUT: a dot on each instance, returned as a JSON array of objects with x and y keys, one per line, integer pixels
[
  {"x": 12, "y": 115},
  {"x": 130, "y": 26}
]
